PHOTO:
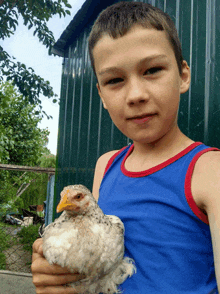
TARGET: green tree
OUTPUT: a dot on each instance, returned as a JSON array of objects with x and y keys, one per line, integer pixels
[
  {"x": 35, "y": 14},
  {"x": 22, "y": 142}
]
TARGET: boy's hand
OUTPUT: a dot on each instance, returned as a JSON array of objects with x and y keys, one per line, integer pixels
[{"x": 51, "y": 279}]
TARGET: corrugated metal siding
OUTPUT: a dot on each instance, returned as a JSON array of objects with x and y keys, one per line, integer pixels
[
  {"x": 199, "y": 115},
  {"x": 85, "y": 128}
]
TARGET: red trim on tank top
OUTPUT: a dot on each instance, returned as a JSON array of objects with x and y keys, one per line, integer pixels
[
  {"x": 189, "y": 197},
  {"x": 157, "y": 167},
  {"x": 112, "y": 159}
]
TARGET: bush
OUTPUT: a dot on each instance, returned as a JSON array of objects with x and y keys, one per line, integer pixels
[
  {"x": 28, "y": 235},
  {"x": 2, "y": 261},
  {"x": 5, "y": 241}
]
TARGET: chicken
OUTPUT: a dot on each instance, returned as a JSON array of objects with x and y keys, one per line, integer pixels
[{"x": 85, "y": 240}]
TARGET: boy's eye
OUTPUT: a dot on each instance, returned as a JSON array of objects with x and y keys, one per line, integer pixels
[
  {"x": 153, "y": 70},
  {"x": 113, "y": 81}
]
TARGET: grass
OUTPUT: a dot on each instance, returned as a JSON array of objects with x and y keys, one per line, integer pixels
[
  {"x": 2, "y": 261},
  {"x": 27, "y": 236},
  {"x": 4, "y": 239},
  {"x": 5, "y": 242}
]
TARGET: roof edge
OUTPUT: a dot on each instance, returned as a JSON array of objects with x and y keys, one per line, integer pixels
[
  {"x": 57, "y": 51},
  {"x": 85, "y": 16}
]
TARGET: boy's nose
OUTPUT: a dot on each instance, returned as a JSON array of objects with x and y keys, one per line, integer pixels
[{"x": 137, "y": 93}]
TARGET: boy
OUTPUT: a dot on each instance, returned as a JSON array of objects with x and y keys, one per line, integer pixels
[{"x": 165, "y": 187}]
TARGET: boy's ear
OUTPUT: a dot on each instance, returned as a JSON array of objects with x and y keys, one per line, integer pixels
[
  {"x": 185, "y": 78},
  {"x": 100, "y": 94}
]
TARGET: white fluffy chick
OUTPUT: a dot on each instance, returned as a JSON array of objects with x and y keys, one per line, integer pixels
[{"x": 85, "y": 240}]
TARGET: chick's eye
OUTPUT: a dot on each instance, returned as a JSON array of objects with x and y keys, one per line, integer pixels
[
  {"x": 153, "y": 70},
  {"x": 78, "y": 196}
]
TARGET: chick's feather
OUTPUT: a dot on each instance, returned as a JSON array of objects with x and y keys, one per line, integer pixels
[{"x": 87, "y": 241}]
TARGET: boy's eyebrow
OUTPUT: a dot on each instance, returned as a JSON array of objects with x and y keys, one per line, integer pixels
[{"x": 145, "y": 59}]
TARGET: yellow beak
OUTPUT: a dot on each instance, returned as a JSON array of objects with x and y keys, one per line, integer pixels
[{"x": 65, "y": 204}]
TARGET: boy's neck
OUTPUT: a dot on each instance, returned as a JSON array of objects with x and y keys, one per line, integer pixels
[
  {"x": 171, "y": 144},
  {"x": 146, "y": 156}
]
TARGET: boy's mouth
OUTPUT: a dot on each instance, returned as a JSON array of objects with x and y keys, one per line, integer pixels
[{"x": 139, "y": 119}]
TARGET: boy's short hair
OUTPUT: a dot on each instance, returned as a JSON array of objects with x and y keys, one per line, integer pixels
[{"x": 117, "y": 19}]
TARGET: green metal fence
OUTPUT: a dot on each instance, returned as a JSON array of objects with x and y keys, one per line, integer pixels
[{"x": 85, "y": 128}]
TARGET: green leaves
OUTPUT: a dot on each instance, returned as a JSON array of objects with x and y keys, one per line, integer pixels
[
  {"x": 8, "y": 20},
  {"x": 28, "y": 235},
  {"x": 35, "y": 14},
  {"x": 21, "y": 141},
  {"x": 27, "y": 81}
]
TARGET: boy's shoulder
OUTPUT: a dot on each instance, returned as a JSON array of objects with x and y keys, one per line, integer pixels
[
  {"x": 104, "y": 159},
  {"x": 99, "y": 171},
  {"x": 206, "y": 178},
  {"x": 207, "y": 181},
  {"x": 208, "y": 164}
]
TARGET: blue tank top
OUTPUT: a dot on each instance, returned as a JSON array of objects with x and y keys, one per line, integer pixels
[{"x": 166, "y": 234}]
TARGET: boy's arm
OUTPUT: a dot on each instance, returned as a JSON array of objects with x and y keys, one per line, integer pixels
[
  {"x": 206, "y": 181},
  {"x": 50, "y": 279},
  {"x": 99, "y": 172}
]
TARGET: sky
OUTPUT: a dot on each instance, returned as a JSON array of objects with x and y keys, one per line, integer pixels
[{"x": 27, "y": 49}]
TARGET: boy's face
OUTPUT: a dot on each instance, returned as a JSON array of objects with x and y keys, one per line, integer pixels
[{"x": 139, "y": 82}]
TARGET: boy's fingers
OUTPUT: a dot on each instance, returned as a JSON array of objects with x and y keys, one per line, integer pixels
[
  {"x": 40, "y": 281},
  {"x": 36, "y": 255},
  {"x": 41, "y": 266},
  {"x": 48, "y": 278},
  {"x": 58, "y": 290},
  {"x": 37, "y": 246}
]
